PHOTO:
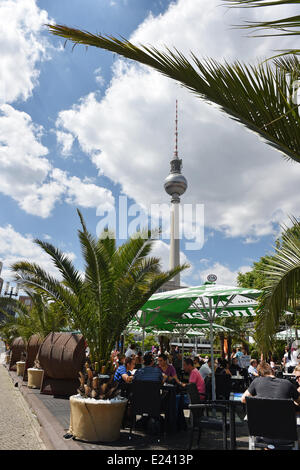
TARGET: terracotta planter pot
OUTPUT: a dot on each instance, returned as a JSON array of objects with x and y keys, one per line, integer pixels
[
  {"x": 35, "y": 377},
  {"x": 20, "y": 368},
  {"x": 95, "y": 420}
]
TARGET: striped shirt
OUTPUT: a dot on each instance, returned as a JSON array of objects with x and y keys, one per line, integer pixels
[{"x": 148, "y": 373}]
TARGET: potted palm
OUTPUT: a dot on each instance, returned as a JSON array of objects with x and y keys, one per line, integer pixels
[
  {"x": 116, "y": 283},
  {"x": 32, "y": 324}
]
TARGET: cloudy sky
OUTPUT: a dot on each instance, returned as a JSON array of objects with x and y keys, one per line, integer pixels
[{"x": 79, "y": 129}]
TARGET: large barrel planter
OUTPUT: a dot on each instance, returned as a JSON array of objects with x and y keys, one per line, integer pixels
[
  {"x": 33, "y": 346},
  {"x": 96, "y": 420},
  {"x": 61, "y": 356},
  {"x": 18, "y": 348}
]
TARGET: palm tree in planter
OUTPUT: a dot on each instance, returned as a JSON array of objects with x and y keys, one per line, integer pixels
[{"x": 116, "y": 283}]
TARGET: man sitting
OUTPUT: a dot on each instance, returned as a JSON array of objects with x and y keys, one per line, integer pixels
[
  {"x": 252, "y": 369},
  {"x": 194, "y": 377},
  {"x": 149, "y": 372},
  {"x": 123, "y": 373},
  {"x": 205, "y": 369},
  {"x": 269, "y": 386}
]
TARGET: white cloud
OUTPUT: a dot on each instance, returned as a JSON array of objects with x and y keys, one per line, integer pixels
[
  {"x": 65, "y": 140},
  {"x": 162, "y": 250},
  {"x": 224, "y": 274},
  {"x": 128, "y": 133},
  {"x": 22, "y": 47},
  {"x": 16, "y": 247},
  {"x": 28, "y": 177},
  {"x": 84, "y": 194}
]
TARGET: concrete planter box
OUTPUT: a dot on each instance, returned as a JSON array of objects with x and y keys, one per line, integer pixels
[
  {"x": 20, "y": 368},
  {"x": 96, "y": 420},
  {"x": 35, "y": 377}
]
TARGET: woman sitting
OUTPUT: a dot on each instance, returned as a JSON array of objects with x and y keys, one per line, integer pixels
[{"x": 168, "y": 371}]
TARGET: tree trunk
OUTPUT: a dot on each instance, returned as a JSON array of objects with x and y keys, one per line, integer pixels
[
  {"x": 221, "y": 336},
  {"x": 229, "y": 341}
]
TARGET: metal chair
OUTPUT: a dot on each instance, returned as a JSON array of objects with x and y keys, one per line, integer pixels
[
  {"x": 200, "y": 422},
  {"x": 145, "y": 398},
  {"x": 272, "y": 423}
]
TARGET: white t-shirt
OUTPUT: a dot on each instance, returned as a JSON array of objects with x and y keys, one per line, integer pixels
[
  {"x": 129, "y": 352},
  {"x": 294, "y": 358},
  {"x": 205, "y": 370}
]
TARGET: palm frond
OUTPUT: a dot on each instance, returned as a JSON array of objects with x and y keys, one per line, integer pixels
[
  {"x": 282, "y": 285},
  {"x": 288, "y": 26},
  {"x": 255, "y": 96}
]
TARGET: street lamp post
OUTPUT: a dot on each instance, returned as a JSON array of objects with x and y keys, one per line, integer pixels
[{"x": 13, "y": 292}]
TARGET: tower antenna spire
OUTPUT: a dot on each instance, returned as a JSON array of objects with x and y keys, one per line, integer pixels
[{"x": 176, "y": 132}]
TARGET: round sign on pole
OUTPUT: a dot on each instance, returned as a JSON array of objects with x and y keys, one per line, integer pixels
[{"x": 212, "y": 278}]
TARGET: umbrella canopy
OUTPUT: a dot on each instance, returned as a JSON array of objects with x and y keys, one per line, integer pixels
[{"x": 205, "y": 303}]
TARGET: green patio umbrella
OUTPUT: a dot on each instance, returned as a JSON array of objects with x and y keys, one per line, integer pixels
[{"x": 205, "y": 303}]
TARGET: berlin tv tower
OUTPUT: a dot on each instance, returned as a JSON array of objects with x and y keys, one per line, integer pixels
[{"x": 175, "y": 185}]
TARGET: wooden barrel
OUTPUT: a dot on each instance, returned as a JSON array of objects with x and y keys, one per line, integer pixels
[
  {"x": 18, "y": 347},
  {"x": 61, "y": 356},
  {"x": 33, "y": 346}
]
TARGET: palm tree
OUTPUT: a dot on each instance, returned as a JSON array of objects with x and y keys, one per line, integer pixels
[
  {"x": 255, "y": 96},
  {"x": 116, "y": 283},
  {"x": 282, "y": 286},
  {"x": 42, "y": 318},
  {"x": 289, "y": 26}
]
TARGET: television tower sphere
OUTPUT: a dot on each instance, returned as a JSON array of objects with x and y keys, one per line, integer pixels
[{"x": 175, "y": 183}]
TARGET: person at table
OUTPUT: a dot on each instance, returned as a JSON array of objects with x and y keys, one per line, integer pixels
[
  {"x": 234, "y": 367},
  {"x": 131, "y": 351},
  {"x": 168, "y": 371},
  {"x": 149, "y": 372},
  {"x": 252, "y": 369},
  {"x": 223, "y": 368},
  {"x": 297, "y": 377},
  {"x": 198, "y": 362},
  {"x": 194, "y": 377},
  {"x": 205, "y": 370},
  {"x": 269, "y": 386},
  {"x": 138, "y": 360},
  {"x": 123, "y": 373}
]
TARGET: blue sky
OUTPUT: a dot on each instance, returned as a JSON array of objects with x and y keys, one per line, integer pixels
[{"x": 80, "y": 128}]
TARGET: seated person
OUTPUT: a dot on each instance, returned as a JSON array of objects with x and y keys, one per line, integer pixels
[
  {"x": 269, "y": 386},
  {"x": 252, "y": 369},
  {"x": 223, "y": 368},
  {"x": 123, "y": 373},
  {"x": 138, "y": 360},
  {"x": 235, "y": 368},
  {"x": 148, "y": 373},
  {"x": 194, "y": 377},
  {"x": 198, "y": 362},
  {"x": 205, "y": 369},
  {"x": 168, "y": 371},
  {"x": 296, "y": 380}
]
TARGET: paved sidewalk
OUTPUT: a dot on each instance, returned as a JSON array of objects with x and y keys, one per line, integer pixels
[{"x": 19, "y": 428}]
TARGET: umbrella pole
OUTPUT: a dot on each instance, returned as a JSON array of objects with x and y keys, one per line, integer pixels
[
  {"x": 143, "y": 342},
  {"x": 213, "y": 379},
  {"x": 182, "y": 353}
]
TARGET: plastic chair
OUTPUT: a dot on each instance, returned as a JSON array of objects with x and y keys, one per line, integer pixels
[
  {"x": 145, "y": 398},
  {"x": 272, "y": 423}
]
